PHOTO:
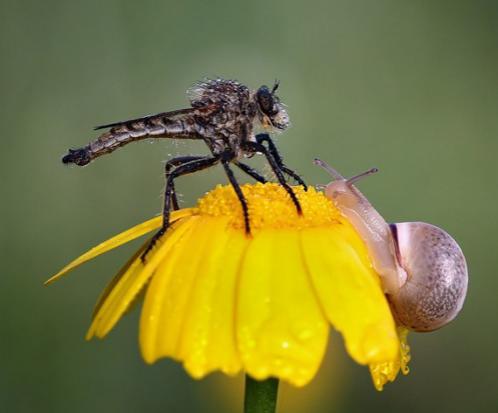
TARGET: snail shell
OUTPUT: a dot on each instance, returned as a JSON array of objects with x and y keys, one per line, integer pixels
[
  {"x": 436, "y": 284},
  {"x": 421, "y": 267}
]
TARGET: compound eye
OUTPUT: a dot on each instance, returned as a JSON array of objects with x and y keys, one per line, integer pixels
[{"x": 265, "y": 100}]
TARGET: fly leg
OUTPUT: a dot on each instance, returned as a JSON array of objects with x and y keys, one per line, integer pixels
[
  {"x": 276, "y": 168},
  {"x": 264, "y": 137},
  {"x": 250, "y": 171},
  {"x": 182, "y": 169},
  {"x": 173, "y": 163}
]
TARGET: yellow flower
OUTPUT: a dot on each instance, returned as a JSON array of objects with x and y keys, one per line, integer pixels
[{"x": 218, "y": 299}]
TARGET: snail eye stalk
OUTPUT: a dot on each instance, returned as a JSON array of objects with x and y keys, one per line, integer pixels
[{"x": 356, "y": 178}]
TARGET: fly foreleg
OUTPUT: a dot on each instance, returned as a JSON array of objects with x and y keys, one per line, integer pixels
[
  {"x": 264, "y": 137},
  {"x": 276, "y": 168},
  {"x": 250, "y": 171}
]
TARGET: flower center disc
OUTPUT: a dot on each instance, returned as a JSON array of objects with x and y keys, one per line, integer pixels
[{"x": 270, "y": 206}]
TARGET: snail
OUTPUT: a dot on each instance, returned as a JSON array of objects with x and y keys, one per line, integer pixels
[{"x": 422, "y": 268}]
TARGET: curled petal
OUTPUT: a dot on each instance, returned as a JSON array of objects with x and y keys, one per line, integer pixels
[
  {"x": 118, "y": 240},
  {"x": 387, "y": 371},
  {"x": 132, "y": 278},
  {"x": 349, "y": 293}
]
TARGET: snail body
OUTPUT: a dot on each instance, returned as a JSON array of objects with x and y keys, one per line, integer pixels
[{"x": 422, "y": 268}]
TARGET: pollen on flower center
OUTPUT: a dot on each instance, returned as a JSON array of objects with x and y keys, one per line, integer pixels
[{"x": 270, "y": 207}]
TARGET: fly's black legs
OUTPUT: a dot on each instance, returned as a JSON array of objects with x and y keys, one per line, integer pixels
[
  {"x": 172, "y": 163},
  {"x": 250, "y": 171},
  {"x": 293, "y": 174},
  {"x": 240, "y": 195},
  {"x": 277, "y": 170},
  {"x": 185, "y": 165},
  {"x": 264, "y": 137},
  {"x": 182, "y": 169}
]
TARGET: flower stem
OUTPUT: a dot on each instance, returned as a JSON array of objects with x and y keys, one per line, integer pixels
[{"x": 260, "y": 396}]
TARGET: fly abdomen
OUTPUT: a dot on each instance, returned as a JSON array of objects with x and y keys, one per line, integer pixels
[
  {"x": 79, "y": 157},
  {"x": 131, "y": 131}
]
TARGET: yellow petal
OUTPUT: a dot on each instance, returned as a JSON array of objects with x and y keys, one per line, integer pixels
[
  {"x": 281, "y": 330},
  {"x": 168, "y": 294},
  {"x": 350, "y": 293},
  {"x": 207, "y": 339},
  {"x": 384, "y": 372},
  {"x": 135, "y": 276},
  {"x": 120, "y": 239},
  {"x": 110, "y": 286}
]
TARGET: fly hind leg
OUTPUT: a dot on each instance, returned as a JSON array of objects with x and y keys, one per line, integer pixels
[
  {"x": 173, "y": 163},
  {"x": 185, "y": 168}
]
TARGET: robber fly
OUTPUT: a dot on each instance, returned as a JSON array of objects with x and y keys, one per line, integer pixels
[{"x": 224, "y": 114}]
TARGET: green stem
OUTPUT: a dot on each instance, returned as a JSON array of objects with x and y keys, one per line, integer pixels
[{"x": 260, "y": 396}]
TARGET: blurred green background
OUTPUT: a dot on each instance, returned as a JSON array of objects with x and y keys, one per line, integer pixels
[{"x": 408, "y": 86}]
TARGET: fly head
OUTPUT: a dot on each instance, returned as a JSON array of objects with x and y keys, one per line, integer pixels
[{"x": 271, "y": 111}]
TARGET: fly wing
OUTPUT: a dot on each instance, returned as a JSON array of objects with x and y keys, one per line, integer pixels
[
  {"x": 165, "y": 115},
  {"x": 176, "y": 124}
]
